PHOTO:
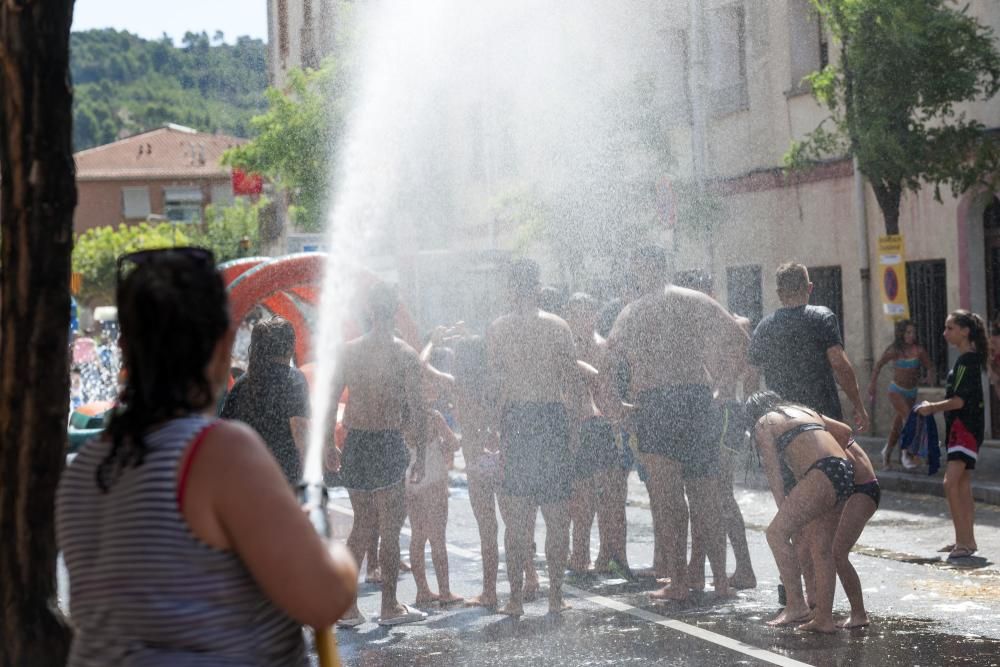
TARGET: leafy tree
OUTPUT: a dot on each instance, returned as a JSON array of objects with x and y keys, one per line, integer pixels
[
  {"x": 126, "y": 84},
  {"x": 904, "y": 66},
  {"x": 296, "y": 139},
  {"x": 230, "y": 232}
]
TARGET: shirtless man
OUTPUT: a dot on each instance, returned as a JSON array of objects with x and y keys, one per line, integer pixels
[
  {"x": 669, "y": 337},
  {"x": 383, "y": 375},
  {"x": 601, "y": 481},
  {"x": 533, "y": 362}
]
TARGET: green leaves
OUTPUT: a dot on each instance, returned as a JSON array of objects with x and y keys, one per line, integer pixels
[
  {"x": 904, "y": 67},
  {"x": 296, "y": 139}
]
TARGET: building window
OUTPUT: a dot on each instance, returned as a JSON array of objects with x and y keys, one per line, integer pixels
[
  {"x": 744, "y": 287},
  {"x": 182, "y": 204},
  {"x": 808, "y": 46},
  {"x": 135, "y": 203},
  {"x": 926, "y": 290},
  {"x": 727, "y": 58},
  {"x": 828, "y": 290}
]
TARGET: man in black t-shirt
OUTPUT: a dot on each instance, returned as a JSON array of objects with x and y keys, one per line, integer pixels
[{"x": 801, "y": 353}]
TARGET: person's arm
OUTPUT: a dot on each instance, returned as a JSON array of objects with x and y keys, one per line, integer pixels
[
  {"x": 887, "y": 356},
  {"x": 412, "y": 386},
  {"x": 726, "y": 340},
  {"x": 843, "y": 372},
  {"x": 441, "y": 429},
  {"x": 929, "y": 371},
  {"x": 966, "y": 389},
  {"x": 257, "y": 516},
  {"x": 769, "y": 459},
  {"x": 947, "y": 405},
  {"x": 842, "y": 433}
]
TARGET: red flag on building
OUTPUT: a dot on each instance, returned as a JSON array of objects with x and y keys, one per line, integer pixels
[{"x": 247, "y": 184}]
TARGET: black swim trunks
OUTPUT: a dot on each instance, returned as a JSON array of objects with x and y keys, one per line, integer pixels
[
  {"x": 682, "y": 423},
  {"x": 598, "y": 448},
  {"x": 373, "y": 460},
  {"x": 870, "y": 489},
  {"x": 839, "y": 471},
  {"x": 534, "y": 441}
]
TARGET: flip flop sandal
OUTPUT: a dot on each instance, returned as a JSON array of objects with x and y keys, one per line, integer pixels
[
  {"x": 960, "y": 552},
  {"x": 948, "y": 548},
  {"x": 411, "y": 616},
  {"x": 352, "y": 622}
]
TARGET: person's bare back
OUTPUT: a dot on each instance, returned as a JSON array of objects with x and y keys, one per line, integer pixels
[
  {"x": 534, "y": 358},
  {"x": 382, "y": 375}
]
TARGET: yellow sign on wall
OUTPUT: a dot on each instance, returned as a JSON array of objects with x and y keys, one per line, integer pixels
[{"x": 892, "y": 277}]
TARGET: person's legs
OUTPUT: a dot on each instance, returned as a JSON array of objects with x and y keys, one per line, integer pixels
[
  {"x": 581, "y": 511},
  {"x": 811, "y": 497},
  {"x": 391, "y": 515},
  {"x": 437, "y": 529},
  {"x": 804, "y": 561},
  {"x": 858, "y": 509},
  {"x": 373, "y": 575},
  {"x": 612, "y": 488},
  {"x": 820, "y": 533},
  {"x": 704, "y": 495},
  {"x": 517, "y": 512},
  {"x": 901, "y": 406},
  {"x": 364, "y": 531},
  {"x": 556, "y": 517},
  {"x": 481, "y": 497},
  {"x": 958, "y": 492},
  {"x": 667, "y": 502},
  {"x": 418, "y": 510}
]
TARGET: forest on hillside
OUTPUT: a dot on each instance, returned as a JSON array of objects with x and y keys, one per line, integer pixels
[{"x": 124, "y": 84}]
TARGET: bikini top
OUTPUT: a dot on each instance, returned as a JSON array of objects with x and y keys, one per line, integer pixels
[
  {"x": 912, "y": 362},
  {"x": 782, "y": 442}
]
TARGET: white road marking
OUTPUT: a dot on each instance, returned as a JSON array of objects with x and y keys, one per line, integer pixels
[{"x": 643, "y": 614}]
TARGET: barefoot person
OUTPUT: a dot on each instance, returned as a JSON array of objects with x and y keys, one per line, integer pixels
[
  {"x": 907, "y": 357},
  {"x": 600, "y": 486},
  {"x": 533, "y": 361},
  {"x": 668, "y": 337},
  {"x": 798, "y": 451},
  {"x": 383, "y": 375},
  {"x": 480, "y": 449},
  {"x": 964, "y": 424},
  {"x": 857, "y": 512}
]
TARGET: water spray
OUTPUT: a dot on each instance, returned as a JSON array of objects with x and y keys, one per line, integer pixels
[{"x": 315, "y": 499}]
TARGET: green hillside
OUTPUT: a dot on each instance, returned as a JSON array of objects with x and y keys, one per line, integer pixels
[{"x": 125, "y": 84}]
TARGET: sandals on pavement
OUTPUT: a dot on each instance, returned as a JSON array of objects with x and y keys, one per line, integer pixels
[
  {"x": 352, "y": 622},
  {"x": 960, "y": 552},
  {"x": 411, "y": 615}
]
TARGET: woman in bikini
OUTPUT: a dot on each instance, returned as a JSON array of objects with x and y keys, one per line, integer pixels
[
  {"x": 797, "y": 451},
  {"x": 908, "y": 358}
]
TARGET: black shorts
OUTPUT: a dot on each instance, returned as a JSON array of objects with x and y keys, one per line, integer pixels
[
  {"x": 537, "y": 463},
  {"x": 598, "y": 448},
  {"x": 373, "y": 460},
  {"x": 681, "y": 423}
]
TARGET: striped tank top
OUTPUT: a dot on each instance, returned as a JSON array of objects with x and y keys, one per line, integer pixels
[{"x": 143, "y": 589}]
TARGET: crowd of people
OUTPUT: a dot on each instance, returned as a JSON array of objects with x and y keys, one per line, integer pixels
[{"x": 550, "y": 409}]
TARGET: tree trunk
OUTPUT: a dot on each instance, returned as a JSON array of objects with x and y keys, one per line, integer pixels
[
  {"x": 37, "y": 197},
  {"x": 889, "y": 198}
]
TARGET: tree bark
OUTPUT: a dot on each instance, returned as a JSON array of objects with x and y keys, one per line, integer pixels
[
  {"x": 889, "y": 198},
  {"x": 37, "y": 197}
]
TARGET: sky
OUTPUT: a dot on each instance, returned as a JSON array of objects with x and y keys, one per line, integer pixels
[{"x": 175, "y": 17}]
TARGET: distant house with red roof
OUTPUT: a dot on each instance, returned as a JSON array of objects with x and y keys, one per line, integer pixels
[{"x": 172, "y": 173}]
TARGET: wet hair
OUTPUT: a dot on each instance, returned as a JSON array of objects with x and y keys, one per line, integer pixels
[
  {"x": 383, "y": 302},
  {"x": 763, "y": 402},
  {"x": 582, "y": 301},
  {"x": 552, "y": 300},
  {"x": 792, "y": 278},
  {"x": 899, "y": 334},
  {"x": 699, "y": 280},
  {"x": 271, "y": 338},
  {"x": 977, "y": 330},
  {"x": 523, "y": 277},
  {"x": 652, "y": 258},
  {"x": 471, "y": 368},
  {"x": 172, "y": 313}
]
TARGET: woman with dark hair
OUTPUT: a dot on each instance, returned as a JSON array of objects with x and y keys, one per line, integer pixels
[
  {"x": 964, "y": 423},
  {"x": 908, "y": 359},
  {"x": 184, "y": 544},
  {"x": 810, "y": 477},
  {"x": 272, "y": 397}
]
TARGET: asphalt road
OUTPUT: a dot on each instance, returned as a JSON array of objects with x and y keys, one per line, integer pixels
[{"x": 924, "y": 612}]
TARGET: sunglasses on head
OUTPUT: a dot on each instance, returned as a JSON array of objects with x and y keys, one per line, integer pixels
[{"x": 200, "y": 257}]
